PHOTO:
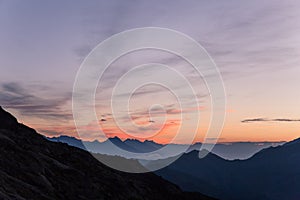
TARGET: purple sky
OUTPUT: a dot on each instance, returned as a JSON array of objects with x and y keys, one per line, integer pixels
[{"x": 255, "y": 44}]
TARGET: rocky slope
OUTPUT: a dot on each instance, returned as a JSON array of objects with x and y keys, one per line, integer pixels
[{"x": 32, "y": 167}]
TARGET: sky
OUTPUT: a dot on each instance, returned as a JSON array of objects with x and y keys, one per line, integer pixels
[{"x": 255, "y": 44}]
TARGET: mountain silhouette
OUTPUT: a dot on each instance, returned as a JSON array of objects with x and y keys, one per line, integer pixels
[
  {"x": 130, "y": 145},
  {"x": 230, "y": 151},
  {"x": 237, "y": 150},
  {"x": 273, "y": 173},
  {"x": 34, "y": 168}
]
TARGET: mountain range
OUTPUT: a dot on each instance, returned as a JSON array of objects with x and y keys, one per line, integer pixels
[
  {"x": 229, "y": 151},
  {"x": 34, "y": 168},
  {"x": 271, "y": 174}
]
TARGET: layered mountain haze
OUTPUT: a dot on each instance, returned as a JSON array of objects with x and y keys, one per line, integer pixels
[
  {"x": 229, "y": 151},
  {"x": 103, "y": 147},
  {"x": 32, "y": 167},
  {"x": 273, "y": 173}
]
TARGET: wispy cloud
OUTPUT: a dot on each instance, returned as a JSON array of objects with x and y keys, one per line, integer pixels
[
  {"x": 269, "y": 120},
  {"x": 13, "y": 95}
]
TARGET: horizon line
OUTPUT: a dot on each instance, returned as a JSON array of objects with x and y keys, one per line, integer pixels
[{"x": 166, "y": 143}]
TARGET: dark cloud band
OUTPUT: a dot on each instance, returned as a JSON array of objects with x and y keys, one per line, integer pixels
[
  {"x": 16, "y": 96},
  {"x": 269, "y": 120}
]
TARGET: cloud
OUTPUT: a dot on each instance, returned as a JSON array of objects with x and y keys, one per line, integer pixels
[
  {"x": 269, "y": 120},
  {"x": 235, "y": 33},
  {"x": 144, "y": 91},
  {"x": 286, "y": 120},
  {"x": 254, "y": 120},
  {"x": 13, "y": 95}
]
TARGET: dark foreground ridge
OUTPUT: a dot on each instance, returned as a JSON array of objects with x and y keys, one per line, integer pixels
[
  {"x": 271, "y": 174},
  {"x": 32, "y": 167}
]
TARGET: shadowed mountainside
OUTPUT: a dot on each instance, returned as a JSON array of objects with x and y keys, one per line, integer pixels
[
  {"x": 273, "y": 173},
  {"x": 32, "y": 167}
]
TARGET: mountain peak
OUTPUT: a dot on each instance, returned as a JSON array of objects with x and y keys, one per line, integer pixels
[
  {"x": 132, "y": 140},
  {"x": 115, "y": 139},
  {"x": 7, "y": 121},
  {"x": 296, "y": 141},
  {"x": 34, "y": 168}
]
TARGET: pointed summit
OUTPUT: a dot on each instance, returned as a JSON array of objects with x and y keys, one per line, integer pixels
[{"x": 7, "y": 121}]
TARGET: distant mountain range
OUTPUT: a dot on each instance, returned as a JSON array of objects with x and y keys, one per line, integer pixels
[
  {"x": 271, "y": 174},
  {"x": 102, "y": 147},
  {"x": 34, "y": 168},
  {"x": 230, "y": 151}
]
